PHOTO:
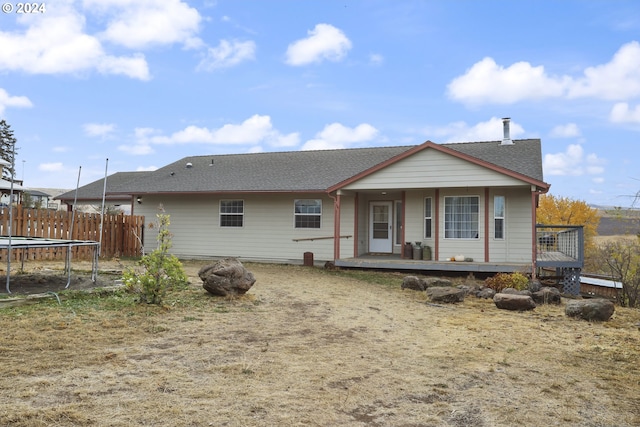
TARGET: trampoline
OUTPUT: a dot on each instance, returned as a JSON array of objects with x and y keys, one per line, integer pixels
[{"x": 17, "y": 242}]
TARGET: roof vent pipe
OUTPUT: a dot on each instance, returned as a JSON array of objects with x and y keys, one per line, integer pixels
[{"x": 506, "y": 140}]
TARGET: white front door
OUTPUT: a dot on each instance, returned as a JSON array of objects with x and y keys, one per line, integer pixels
[{"x": 380, "y": 227}]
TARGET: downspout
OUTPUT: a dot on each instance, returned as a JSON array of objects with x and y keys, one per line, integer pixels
[{"x": 336, "y": 224}]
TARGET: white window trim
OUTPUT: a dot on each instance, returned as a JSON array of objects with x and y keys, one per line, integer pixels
[
  {"x": 221, "y": 214},
  {"x": 445, "y": 218},
  {"x": 295, "y": 214},
  {"x": 503, "y": 218},
  {"x": 430, "y": 217}
]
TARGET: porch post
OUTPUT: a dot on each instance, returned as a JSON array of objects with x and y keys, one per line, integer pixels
[
  {"x": 534, "y": 202},
  {"x": 336, "y": 226},
  {"x": 355, "y": 225},
  {"x": 402, "y": 223},
  {"x": 486, "y": 224},
  {"x": 436, "y": 245}
]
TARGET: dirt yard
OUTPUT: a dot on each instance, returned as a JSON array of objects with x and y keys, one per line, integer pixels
[{"x": 313, "y": 347}]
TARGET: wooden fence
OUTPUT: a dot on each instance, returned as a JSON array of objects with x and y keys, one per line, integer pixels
[{"x": 122, "y": 235}]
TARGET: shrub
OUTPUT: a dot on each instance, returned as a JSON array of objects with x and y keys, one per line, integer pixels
[
  {"x": 501, "y": 281},
  {"x": 161, "y": 270}
]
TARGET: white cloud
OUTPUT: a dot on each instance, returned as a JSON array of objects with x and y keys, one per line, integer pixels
[
  {"x": 56, "y": 43},
  {"x": 254, "y": 130},
  {"x": 376, "y": 59},
  {"x": 336, "y": 135},
  {"x": 325, "y": 42},
  {"x": 146, "y": 168},
  {"x": 51, "y": 167},
  {"x": 598, "y": 180},
  {"x": 137, "y": 24},
  {"x": 615, "y": 80},
  {"x": 491, "y": 130},
  {"x": 7, "y": 100},
  {"x": 139, "y": 149},
  {"x": 98, "y": 129},
  {"x": 573, "y": 162},
  {"x": 569, "y": 130},
  {"x": 227, "y": 54},
  {"x": 622, "y": 113},
  {"x": 486, "y": 82}
]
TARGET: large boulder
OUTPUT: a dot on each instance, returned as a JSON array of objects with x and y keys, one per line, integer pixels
[
  {"x": 436, "y": 281},
  {"x": 445, "y": 294},
  {"x": 413, "y": 282},
  {"x": 226, "y": 277},
  {"x": 547, "y": 295},
  {"x": 590, "y": 309},
  {"x": 514, "y": 302}
]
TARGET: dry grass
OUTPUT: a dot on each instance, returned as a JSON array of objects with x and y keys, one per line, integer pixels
[{"x": 311, "y": 347}]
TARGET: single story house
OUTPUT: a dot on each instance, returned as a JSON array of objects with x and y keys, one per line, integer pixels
[{"x": 354, "y": 207}]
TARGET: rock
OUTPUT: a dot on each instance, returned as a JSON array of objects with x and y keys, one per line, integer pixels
[
  {"x": 486, "y": 293},
  {"x": 413, "y": 282},
  {"x": 436, "y": 281},
  {"x": 513, "y": 291},
  {"x": 514, "y": 302},
  {"x": 445, "y": 294},
  {"x": 547, "y": 295},
  {"x": 535, "y": 286},
  {"x": 470, "y": 289},
  {"x": 226, "y": 277},
  {"x": 590, "y": 309}
]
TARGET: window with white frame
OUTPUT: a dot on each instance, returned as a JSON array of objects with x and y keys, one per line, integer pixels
[
  {"x": 498, "y": 217},
  {"x": 427, "y": 218},
  {"x": 231, "y": 213},
  {"x": 307, "y": 213},
  {"x": 461, "y": 215}
]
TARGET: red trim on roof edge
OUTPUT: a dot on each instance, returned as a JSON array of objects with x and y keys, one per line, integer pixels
[{"x": 445, "y": 150}]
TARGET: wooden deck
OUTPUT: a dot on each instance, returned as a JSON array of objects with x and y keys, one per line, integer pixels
[{"x": 395, "y": 262}]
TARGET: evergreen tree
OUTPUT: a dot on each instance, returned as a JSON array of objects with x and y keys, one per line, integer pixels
[{"x": 8, "y": 148}]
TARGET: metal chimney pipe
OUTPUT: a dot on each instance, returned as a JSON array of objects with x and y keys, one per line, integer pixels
[{"x": 506, "y": 140}]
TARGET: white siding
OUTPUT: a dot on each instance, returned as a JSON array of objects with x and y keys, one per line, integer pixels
[
  {"x": 432, "y": 168},
  {"x": 268, "y": 232},
  {"x": 516, "y": 246}
]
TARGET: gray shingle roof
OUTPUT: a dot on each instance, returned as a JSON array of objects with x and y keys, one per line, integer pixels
[
  {"x": 295, "y": 170},
  {"x": 119, "y": 182}
]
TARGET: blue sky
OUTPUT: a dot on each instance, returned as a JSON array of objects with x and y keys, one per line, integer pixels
[{"x": 144, "y": 83}]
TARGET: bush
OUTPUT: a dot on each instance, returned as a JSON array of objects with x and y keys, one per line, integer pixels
[
  {"x": 502, "y": 281},
  {"x": 162, "y": 271}
]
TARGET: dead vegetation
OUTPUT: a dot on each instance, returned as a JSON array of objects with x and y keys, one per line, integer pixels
[{"x": 313, "y": 347}]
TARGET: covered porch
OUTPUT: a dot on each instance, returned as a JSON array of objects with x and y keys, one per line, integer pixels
[{"x": 396, "y": 262}]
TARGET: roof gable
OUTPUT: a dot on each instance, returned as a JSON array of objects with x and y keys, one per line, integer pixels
[{"x": 521, "y": 160}]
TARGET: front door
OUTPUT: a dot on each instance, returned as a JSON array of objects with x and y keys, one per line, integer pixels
[{"x": 380, "y": 227}]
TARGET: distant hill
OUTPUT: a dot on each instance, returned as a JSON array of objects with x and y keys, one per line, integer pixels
[{"x": 613, "y": 226}]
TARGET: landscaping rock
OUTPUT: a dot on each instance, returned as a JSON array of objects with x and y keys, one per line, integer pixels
[
  {"x": 445, "y": 294},
  {"x": 436, "y": 281},
  {"x": 535, "y": 286},
  {"x": 226, "y": 277},
  {"x": 547, "y": 295},
  {"x": 590, "y": 309},
  {"x": 413, "y": 282},
  {"x": 514, "y": 302},
  {"x": 513, "y": 291},
  {"x": 486, "y": 293}
]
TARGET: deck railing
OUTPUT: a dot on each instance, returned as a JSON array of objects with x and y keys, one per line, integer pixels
[{"x": 560, "y": 246}]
